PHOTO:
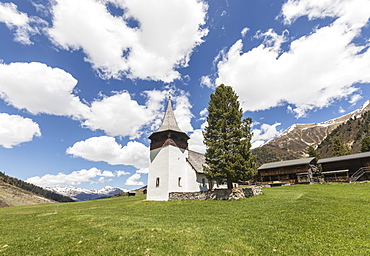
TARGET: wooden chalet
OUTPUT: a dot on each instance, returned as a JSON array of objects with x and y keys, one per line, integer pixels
[
  {"x": 346, "y": 168},
  {"x": 287, "y": 172}
]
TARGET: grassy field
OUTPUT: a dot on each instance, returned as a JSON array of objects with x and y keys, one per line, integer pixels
[{"x": 319, "y": 219}]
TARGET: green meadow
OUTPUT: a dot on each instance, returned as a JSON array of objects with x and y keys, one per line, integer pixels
[{"x": 318, "y": 219}]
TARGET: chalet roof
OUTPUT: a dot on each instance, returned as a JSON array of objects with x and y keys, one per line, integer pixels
[
  {"x": 301, "y": 161},
  {"x": 196, "y": 160},
  {"x": 169, "y": 122},
  {"x": 344, "y": 158}
]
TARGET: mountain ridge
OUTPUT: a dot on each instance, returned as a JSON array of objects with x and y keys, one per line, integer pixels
[
  {"x": 294, "y": 141},
  {"x": 81, "y": 194}
]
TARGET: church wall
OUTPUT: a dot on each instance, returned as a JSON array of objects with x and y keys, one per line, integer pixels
[
  {"x": 169, "y": 165},
  {"x": 158, "y": 169},
  {"x": 203, "y": 185},
  {"x": 177, "y": 169}
]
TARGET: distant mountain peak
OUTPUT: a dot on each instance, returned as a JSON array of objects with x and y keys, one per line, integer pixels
[
  {"x": 298, "y": 137},
  {"x": 81, "y": 194}
]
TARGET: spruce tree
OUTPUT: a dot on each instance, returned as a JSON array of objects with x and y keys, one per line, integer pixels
[
  {"x": 227, "y": 137},
  {"x": 365, "y": 144},
  {"x": 339, "y": 149},
  {"x": 311, "y": 151}
]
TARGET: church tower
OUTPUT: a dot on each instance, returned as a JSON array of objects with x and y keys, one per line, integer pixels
[{"x": 168, "y": 160}]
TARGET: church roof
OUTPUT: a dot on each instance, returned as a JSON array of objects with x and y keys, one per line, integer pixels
[
  {"x": 196, "y": 160},
  {"x": 169, "y": 122}
]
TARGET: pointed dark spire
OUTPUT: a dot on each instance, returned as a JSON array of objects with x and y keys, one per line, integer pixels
[
  {"x": 169, "y": 122},
  {"x": 169, "y": 133}
]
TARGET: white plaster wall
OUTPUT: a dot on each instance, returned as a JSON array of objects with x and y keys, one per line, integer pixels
[
  {"x": 169, "y": 164},
  {"x": 200, "y": 183},
  {"x": 177, "y": 169},
  {"x": 158, "y": 168}
]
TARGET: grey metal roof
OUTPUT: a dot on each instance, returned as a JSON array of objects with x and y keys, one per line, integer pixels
[
  {"x": 196, "y": 160},
  {"x": 301, "y": 161},
  {"x": 343, "y": 158},
  {"x": 169, "y": 120}
]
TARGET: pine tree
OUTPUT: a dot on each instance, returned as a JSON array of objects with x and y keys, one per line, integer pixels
[
  {"x": 365, "y": 144},
  {"x": 227, "y": 138},
  {"x": 339, "y": 149},
  {"x": 312, "y": 152}
]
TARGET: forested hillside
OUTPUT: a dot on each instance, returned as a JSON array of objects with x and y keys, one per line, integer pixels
[
  {"x": 349, "y": 137},
  {"x": 34, "y": 189},
  {"x": 351, "y": 134}
]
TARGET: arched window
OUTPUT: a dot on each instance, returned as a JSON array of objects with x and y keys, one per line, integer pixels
[
  {"x": 157, "y": 182},
  {"x": 203, "y": 182},
  {"x": 179, "y": 182}
]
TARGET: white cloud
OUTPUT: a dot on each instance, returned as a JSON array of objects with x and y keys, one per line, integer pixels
[
  {"x": 39, "y": 88},
  {"x": 15, "y": 130},
  {"x": 22, "y": 25},
  {"x": 183, "y": 113},
  {"x": 133, "y": 180},
  {"x": 244, "y": 31},
  {"x": 120, "y": 173},
  {"x": 206, "y": 81},
  {"x": 106, "y": 149},
  {"x": 143, "y": 170},
  {"x": 74, "y": 178},
  {"x": 341, "y": 110},
  {"x": 315, "y": 71},
  {"x": 101, "y": 180},
  {"x": 355, "y": 98},
  {"x": 119, "y": 115},
  {"x": 196, "y": 141},
  {"x": 264, "y": 134},
  {"x": 167, "y": 33},
  {"x": 349, "y": 11}
]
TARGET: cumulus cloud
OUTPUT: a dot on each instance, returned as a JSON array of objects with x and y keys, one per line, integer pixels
[
  {"x": 106, "y": 149},
  {"x": 264, "y": 134},
  {"x": 316, "y": 70},
  {"x": 183, "y": 113},
  {"x": 206, "y": 81},
  {"x": 118, "y": 115},
  {"x": 15, "y": 130},
  {"x": 165, "y": 34},
  {"x": 244, "y": 31},
  {"x": 134, "y": 180},
  {"x": 19, "y": 22},
  {"x": 73, "y": 178},
  {"x": 39, "y": 88},
  {"x": 196, "y": 141},
  {"x": 120, "y": 173}
]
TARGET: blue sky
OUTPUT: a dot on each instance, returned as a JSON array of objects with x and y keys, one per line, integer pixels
[{"x": 84, "y": 83}]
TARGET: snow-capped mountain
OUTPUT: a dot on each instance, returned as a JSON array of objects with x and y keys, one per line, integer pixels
[
  {"x": 298, "y": 137},
  {"x": 81, "y": 194}
]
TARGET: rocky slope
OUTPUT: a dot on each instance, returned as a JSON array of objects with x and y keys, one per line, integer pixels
[
  {"x": 294, "y": 141},
  {"x": 80, "y": 194}
]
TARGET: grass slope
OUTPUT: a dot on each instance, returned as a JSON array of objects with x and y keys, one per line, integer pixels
[
  {"x": 14, "y": 196},
  {"x": 319, "y": 219}
]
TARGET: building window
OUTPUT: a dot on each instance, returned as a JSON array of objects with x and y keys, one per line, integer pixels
[
  {"x": 179, "y": 182},
  {"x": 157, "y": 182},
  {"x": 203, "y": 182}
]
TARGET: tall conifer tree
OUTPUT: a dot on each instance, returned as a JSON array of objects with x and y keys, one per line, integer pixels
[{"x": 227, "y": 138}]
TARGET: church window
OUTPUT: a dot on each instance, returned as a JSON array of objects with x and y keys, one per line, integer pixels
[
  {"x": 157, "y": 182},
  {"x": 204, "y": 182},
  {"x": 179, "y": 182}
]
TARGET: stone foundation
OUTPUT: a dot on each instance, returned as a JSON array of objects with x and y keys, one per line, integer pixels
[{"x": 217, "y": 194}]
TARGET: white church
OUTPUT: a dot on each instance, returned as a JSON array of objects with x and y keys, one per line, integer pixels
[{"x": 173, "y": 167}]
